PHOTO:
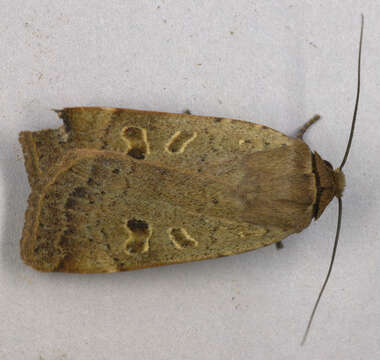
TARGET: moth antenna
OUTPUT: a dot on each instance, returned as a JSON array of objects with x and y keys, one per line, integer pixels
[
  {"x": 357, "y": 98},
  {"x": 339, "y": 198},
  {"x": 328, "y": 272}
]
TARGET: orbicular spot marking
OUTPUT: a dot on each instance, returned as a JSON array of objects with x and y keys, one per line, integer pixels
[
  {"x": 136, "y": 139},
  {"x": 179, "y": 141},
  {"x": 139, "y": 234},
  {"x": 244, "y": 141},
  {"x": 181, "y": 239}
]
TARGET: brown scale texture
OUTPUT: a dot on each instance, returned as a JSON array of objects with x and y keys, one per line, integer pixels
[{"x": 119, "y": 189}]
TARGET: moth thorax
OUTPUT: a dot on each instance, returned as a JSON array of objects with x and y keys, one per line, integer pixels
[{"x": 340, "y": 182}]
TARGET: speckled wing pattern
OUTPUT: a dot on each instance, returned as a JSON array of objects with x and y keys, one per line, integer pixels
[{"x": 119, "y": 189}]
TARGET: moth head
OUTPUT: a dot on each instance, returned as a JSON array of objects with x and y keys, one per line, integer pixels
[
  {"x": 339, "y": 179},
  {"x": 330, "y": 183},
  {"x": 340, "y": 182}
]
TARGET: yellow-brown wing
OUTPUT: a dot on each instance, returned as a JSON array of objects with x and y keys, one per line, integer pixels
[
  {"x": 106, "y": 207},
  {"x": 196, "y": 143}
]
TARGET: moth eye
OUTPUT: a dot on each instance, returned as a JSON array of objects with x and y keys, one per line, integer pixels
[
  {"x": 181, "y": 239},
  {"x": 137, "y": 142},
  {"x": 139, "y": 234},
  {"x": 179, "y": 141},
  {"x": 328, "y": 164}
]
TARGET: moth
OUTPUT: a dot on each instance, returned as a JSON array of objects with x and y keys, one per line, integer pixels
[{"x": 119, "y": 189}]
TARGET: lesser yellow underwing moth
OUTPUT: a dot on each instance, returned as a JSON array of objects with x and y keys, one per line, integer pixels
[{"x": 120, "y": 189}]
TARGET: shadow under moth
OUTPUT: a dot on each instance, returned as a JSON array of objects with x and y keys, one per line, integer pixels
[{"x": 120, "y": 189}]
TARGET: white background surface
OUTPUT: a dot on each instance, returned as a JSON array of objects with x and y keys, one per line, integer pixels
[{"x": 270, "y": 62}]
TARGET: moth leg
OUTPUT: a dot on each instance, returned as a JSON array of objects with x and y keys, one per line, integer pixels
[
  {"x": 279, "y": 245},
  {"x": 304, "y": 128}
]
